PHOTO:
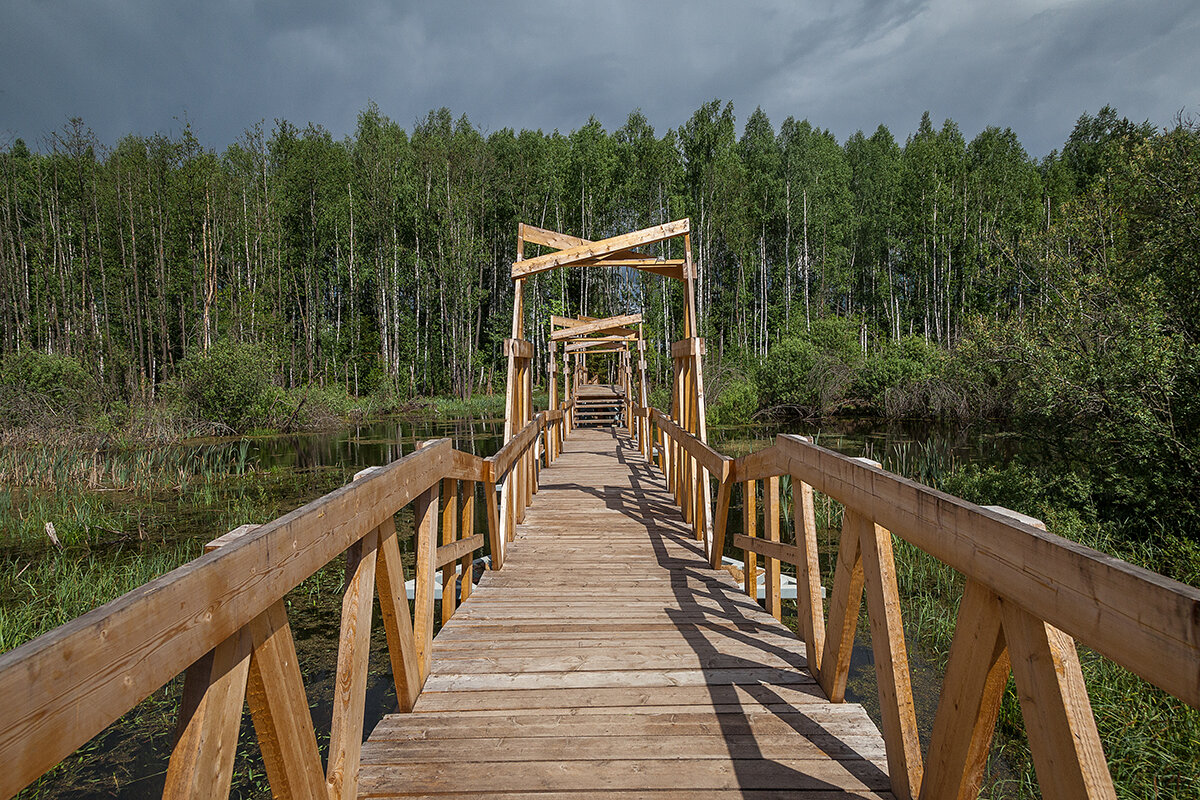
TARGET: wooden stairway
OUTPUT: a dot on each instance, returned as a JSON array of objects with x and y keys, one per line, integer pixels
[{"x": 598, "y": 406}]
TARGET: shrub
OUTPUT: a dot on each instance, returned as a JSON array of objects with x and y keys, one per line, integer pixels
[
  {"x": 894, "y": 366},
  {"x": 226, "y": 384},
  {"x": 61, "y": 380},
  {"x": 735, "y": 404}
]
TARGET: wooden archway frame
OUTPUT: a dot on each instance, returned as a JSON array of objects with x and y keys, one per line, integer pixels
[{"x": 687, "y": 392}]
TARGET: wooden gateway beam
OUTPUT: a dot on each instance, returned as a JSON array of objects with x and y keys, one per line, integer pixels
[
  {"x": 583, "y": 344},
  {"x": 597, "y": 326},
  {"x": 595, "y": 250},
  {"x": 559, "y": 241},
  {"x": 567, "y": 322}
]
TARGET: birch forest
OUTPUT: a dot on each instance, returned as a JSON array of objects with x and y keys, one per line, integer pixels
[{"x": 383, "y": 258}]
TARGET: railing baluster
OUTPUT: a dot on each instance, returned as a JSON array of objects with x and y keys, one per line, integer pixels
[
  {"x": 750, "y": 525},
  {"x": 1063, "y": 740},
  {"x": 466, "y": 529},
  {"x": 397, "y": 619},
  {"x": 449, "y": 536},
  {"x": 810, "y": 608},
  {"x": 491, "y": 504},
  {"x": 973, "y": 687},
  {"x": 721, "y": 523},
  {"x": 891, "y": 656},
  {"x": 425, "y": 512},
  {"x": 772, "y": 601},
  {"x": 844, "y": 604},
  {"x": 279, "y": 708},
  {"x": 350, "y": 681},
  {"x": 201, "y": 764}
]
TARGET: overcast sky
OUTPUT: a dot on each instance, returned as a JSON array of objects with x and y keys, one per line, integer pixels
[{"x": 130, "y": 66}]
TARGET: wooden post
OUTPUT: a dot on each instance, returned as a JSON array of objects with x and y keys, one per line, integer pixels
[
  {"x": 449, "y": 536},
  {"x": 397, "y": 619},
  {"x": 425, "y": 512},
  {"x": 350, "y": 683},
  {"x": 466, "y": 529},
  {"x": 972, "y": 691},
  {"x": 810, "y": 608},
  {"x": 201, "y": 764},
  {"x": 1058, "y": 716},
  {"x": 772, "y": 602},
  {"x": 280, "y": 712},
  {"x": 721, "y": 524},
  {"x": 891, "y": 657},
  {"x": 210, "y": 712},
  {"x": 750, "y": 525},
  {"x": 496, "y": 542},
  {"x": 844, "y": 604}
]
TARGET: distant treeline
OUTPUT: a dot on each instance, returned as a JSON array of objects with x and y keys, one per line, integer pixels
[{"x": 385, "y": 256}]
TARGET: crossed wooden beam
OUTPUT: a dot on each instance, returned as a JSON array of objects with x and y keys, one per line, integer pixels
[{"x": 616, "y": 251}]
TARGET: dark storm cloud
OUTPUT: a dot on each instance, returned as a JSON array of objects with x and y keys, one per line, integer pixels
[{"x": 143, "y": 66}]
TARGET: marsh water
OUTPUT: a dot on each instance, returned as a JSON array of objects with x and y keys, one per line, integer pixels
[{"x": 121, "y": 518}]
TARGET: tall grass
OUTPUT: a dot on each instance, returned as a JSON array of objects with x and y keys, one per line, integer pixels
[{"x": 42, "y": 591}]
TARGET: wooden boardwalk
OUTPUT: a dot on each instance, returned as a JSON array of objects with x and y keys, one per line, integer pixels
[{"x": 607, "y": 660}]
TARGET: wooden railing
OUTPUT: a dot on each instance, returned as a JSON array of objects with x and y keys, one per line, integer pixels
[
  {"x": 1029, "y": 595},
  {"x": 223, "y": 620}
]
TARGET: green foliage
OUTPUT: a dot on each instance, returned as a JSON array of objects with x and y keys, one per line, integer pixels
[
  {"x": 895, "y": 366},
  {"x": 736, "y": 404},
  {"x": 228, "y": 384},
  {"x": 59, "y": 380}
]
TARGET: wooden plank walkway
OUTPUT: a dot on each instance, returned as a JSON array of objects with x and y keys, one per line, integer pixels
[{"x": 607, "y": 660}]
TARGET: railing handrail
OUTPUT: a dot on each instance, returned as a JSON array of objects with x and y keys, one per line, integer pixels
[
  {"x": 62, "y": 688},
  {"x": 1028, "y": 595},
  {"x": 1144, "y": 621},
  {"x": 67, "y": 685}
]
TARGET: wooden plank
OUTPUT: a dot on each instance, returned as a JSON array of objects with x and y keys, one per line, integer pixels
[
  {"x": 518, "y": 348},
  {"x": 772, "y": 601},
  {"x": 1074, "y": 588},
  {"x": 814, "y": 720},
  {"x": 894, "y": 682},
  {"x": 810, "y": 608},
  {"x": 685, "y": 348},
  {"x": 495, "y": 537},
  {"x": 750, "y": 526},
  {"x": 724, "y": 494},
  {"x": 596, "y": 326},
  {"x": 467, "y": 526},
  {"x": 559, "y": 241},
  {"x": 635, "y": 774},
  {"x": 64, "y": 687},
  {"x": 1062, "y": 732},
  {"x": 350, "y": 679},
  {"x": 614, "y": 244},
  {"x": 201, "y": 764},
  {"x": 973, "y": 688},
  {"x": 279, "y": 708},
  {"x": 397, "y": 619},
  {"x": 449, "y": 553},
  {"x": 765, "y": 547},
  {"x": 444, "y": 559},
  {"x": 425, "y": 512},
  {"x": 844, "y": 605},
  {"x": 608, "y": 746},
  {"x": 666, "y": 268}
]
